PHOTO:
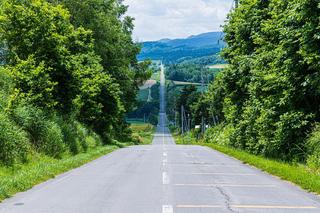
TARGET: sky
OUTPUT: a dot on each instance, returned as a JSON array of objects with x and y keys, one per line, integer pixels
[{"x": 159, "y": 19}]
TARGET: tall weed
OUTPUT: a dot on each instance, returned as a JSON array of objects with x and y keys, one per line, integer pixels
[{"x": 14, "y": 145}]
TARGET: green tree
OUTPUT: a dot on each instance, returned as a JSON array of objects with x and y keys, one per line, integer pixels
[
  {"x": 270, "y": 91},
  {"x": 54, "y": 64},
  {"x": 112, "y": 33}
]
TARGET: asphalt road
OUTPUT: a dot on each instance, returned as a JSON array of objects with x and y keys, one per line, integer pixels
[{"x": 163, "y": 178}]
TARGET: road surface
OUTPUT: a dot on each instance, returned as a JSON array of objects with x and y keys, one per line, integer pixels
[{"x": 163, "y": 178}]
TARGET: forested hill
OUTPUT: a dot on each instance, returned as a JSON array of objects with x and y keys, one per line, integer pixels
[{"x": 178, "y": 49}]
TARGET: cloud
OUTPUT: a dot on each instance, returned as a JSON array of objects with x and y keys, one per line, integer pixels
[{"x": 157, "y": 19}]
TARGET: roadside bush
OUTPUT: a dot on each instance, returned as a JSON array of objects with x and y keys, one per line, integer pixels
[
  {"x": 313, "y": 145},
  {"x": 219, "y": 134},
  {"x": 82, "y": 134},
  {"x": 93, "y": 139},
  {"x": 14, "y": 145},
  {"x": 44, "y": 133},
  {"x": 75, "y": 135},
  {"x": 6, "y": 86},
  {"x": 69, "y": 132},
  {"x": 53, "y": 144}
]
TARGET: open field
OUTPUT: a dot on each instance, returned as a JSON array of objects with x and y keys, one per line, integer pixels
[
  {"x": 218, "y": 66},
  {"x": 156, "y": 76},
  {"x": 181, "y": 83},
  {"x": 148, "y": 84}
]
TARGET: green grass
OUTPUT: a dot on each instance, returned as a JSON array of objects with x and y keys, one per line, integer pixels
[
  {"x": 298, "y": 174},
  {"x": 41, "y": 168},
  {"x": 156, "y": 76},
  {"x": 143, "y": 132},
  {"x": 218, "y": 66},
  {"x": 135, "y": 121}
]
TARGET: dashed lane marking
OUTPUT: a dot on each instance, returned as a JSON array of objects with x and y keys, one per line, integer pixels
[
  {"x": 165, "y": 178},
  {"x": 167, "y": 209}
]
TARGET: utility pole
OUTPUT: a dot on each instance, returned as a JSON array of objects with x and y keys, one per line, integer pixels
[
  {"x": 175, "y": 118},
  {"x": 182, "y": 127},
  {"x": 202, "y": 92}
]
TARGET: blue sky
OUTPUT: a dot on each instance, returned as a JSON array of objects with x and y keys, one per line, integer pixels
[{"x": 157, "y": 19}]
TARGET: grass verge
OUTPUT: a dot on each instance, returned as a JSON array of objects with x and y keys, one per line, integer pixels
[
  {"x": 143, "y": 132},
  {"x": 298, "y": 174},
  {"x": 41, "y": 168}
]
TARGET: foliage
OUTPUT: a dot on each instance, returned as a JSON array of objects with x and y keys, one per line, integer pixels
[
  {"x": 189, "y": 72},
  {"x": 6, "y": 87},
  {"x": 14, "y": 146},
  {"x": 142, "y": 133},
  {"x": 313, "y": 144},
  {"x": 148, "y": 110},
  {"x": 112, "y": 34},
  {"x": 44, "y": 133},
  {"x": 270, "y": 91},
  {"x": 219, "y": 134},
  {"x": 40, "y": 68},
  {"x": 67, "y": 76}
]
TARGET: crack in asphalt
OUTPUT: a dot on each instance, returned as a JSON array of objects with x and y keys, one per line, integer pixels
[{"x": 227, "y": 199}]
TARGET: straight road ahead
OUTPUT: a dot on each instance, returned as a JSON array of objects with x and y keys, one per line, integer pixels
[{"x": 163, "y": 178}]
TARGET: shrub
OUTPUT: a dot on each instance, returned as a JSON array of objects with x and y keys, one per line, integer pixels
[
  {"x": 44, "y": 133},
  {"x": 6, "y": 86},
  {"x": 219, "y": 134},
  {"x": 82, "y": 134},
  {"x": 53, "y": 144},
  {"x": 69, "y": 132},
  {"x": 76, "y": 135},
  {"x": 313, "y": 145},
  {"x": 14, "y": 145}
]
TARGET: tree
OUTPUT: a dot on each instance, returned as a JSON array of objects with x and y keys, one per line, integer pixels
[
  {"x": 270, "y": 93},
  {"x": 112, "y": 33},
  {"x": 54, "y": 64}
]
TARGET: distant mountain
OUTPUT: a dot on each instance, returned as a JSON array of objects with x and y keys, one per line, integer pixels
[{"x": 173, "y": 50}]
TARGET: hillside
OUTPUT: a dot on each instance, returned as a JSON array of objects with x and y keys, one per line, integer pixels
[{"x": 174, "y": 50}]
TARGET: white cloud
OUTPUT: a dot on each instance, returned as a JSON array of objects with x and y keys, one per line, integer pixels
[{"x": 157, "y": 19}]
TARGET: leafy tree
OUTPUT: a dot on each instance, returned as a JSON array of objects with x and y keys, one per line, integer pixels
[
  {"x": 41, "y": 41},
  {"x": 270, "y": 92},
  {"x": 60, "y": 70},
  {"x": 112, "y": 33}
]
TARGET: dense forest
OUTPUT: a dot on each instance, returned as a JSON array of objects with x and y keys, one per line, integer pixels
[
  {"x": 267, "y": 100},
  {"x": 68, "y": 70},
  {"x": 190, "y": 72}
]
